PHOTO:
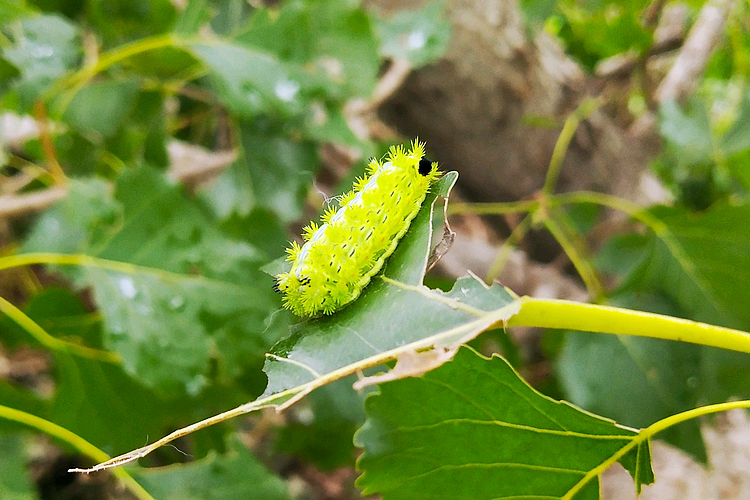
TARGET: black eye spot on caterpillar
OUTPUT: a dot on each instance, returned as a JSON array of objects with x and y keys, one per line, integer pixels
[
  {"x": 425, "y": 166},
  {"x": 356, "y": 239}
]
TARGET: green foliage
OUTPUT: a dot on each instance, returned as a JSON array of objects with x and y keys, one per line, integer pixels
[
  {"x": 15, "y": 483},
  {"x": 44, "y": 48},
  {"x": 592, "y": 31},
  {"x": 153, "y": 311},
  {"x": 414, "y": 36},
  {"x": 704, "y": 162},
  {"x": 225, "y": 477},
  {"x": 698, "y": 261},
  {"x": 322, "y": 431},
  {"x": 478, "y": 432},
  {"x": 642, "y": 381},
  {"x": 333, "y": 38},
  {"x": 159, "y": 314},
  {"x": 102, "y": 108},
  {"x": 693, "y": 267},
  {"x": 185, "y": 279}
]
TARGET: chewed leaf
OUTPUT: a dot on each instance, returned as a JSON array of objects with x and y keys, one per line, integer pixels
[{"x": 395, "y": 312}]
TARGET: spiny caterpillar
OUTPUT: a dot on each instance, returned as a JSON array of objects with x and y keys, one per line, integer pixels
[{"x": 341, "y": 255}]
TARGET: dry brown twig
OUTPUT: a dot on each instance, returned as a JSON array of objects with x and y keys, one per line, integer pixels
[{"x": 704, "y": 36}]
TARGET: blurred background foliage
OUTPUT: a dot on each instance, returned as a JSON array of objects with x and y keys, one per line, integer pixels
[{"x": 176, "y": 147}]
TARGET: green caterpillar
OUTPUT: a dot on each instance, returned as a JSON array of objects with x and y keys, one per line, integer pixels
[{"x": 341, "y": 255}]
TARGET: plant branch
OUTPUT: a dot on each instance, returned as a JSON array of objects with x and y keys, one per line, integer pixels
[
  {"x": 704, "y": 36},
  {"x": 14, "y": 205},
  {"x": 587, "y": 107},
  {"x": 569, "y": 315},
  {"x": 503, "y": 254},
  {"x": 512, "y": 207},
  {"x": 50, "y": 342},
  {"x": 576, "y": 255},
  {"x": 648, "y": 433},
  {"x": 76, "y": 442}
]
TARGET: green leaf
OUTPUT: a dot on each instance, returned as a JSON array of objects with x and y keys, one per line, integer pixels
[
  {"x": 15, "y": 483},
  {"x": 739, "y": 165},
  {"x": 702, "y": 261},
  {"x": 69, "y": 227},
  {"x": 635, "y": 381},
  {"x": 279, "y": 171},
  {"x": 10, "y": 10},
  {"x": 421, "y": 36},
  {"x": 102, "y": 107},
  {"x": 216, "y": 477},
  {"x": 687, "y": 131},
  {"x": 597, "y": 30},
  {"x": 193, "y": 17},
  {"x": 393, "y": 311},
  {"x": 249, "y": 81},
  {"x": 100, "y": 403},
  {"x": 232, "y": 193},
  {"x": 321, "y": 431},
  {"x": 693, "y": 267},
  {"x": 62, "y": 314},
  {"x": 19, "y": 398},
  {"x": 120, "y": 21},
  {"x": 698, "y": 260},
  {"x": 185, "y": 288},
  {"x": 45, "y": 48},
  {"x": 737, "y": 138},
  {"x": 330, "y": 38},
  {"x": 472, "y": 429},
  {"x": 137, "y": 307}
]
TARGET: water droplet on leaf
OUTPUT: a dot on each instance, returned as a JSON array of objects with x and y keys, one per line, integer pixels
[
  {"x": 177, "y": 303},
  {"x": 127, "y": 287},
  {"x": 286, "y": 90}
]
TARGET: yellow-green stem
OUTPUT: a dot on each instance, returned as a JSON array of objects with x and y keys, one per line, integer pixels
[
  {"x": 50, "y": 342},
  {"x": 569, "y": 315},
  {"x": 512, "y": 207},
  {"x": 648, "y": 433},
  {"x": 576, "y": 256},
  {"x": 80, "y": 78},
  {"x": 632, "y": 209},
  {"x": 587, "y": 107},
  {"x": 76, "y": 442},
  {"x": 507, "y": 247}
]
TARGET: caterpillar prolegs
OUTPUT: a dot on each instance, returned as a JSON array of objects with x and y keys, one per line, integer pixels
[{"x": 350, "y": 246}]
